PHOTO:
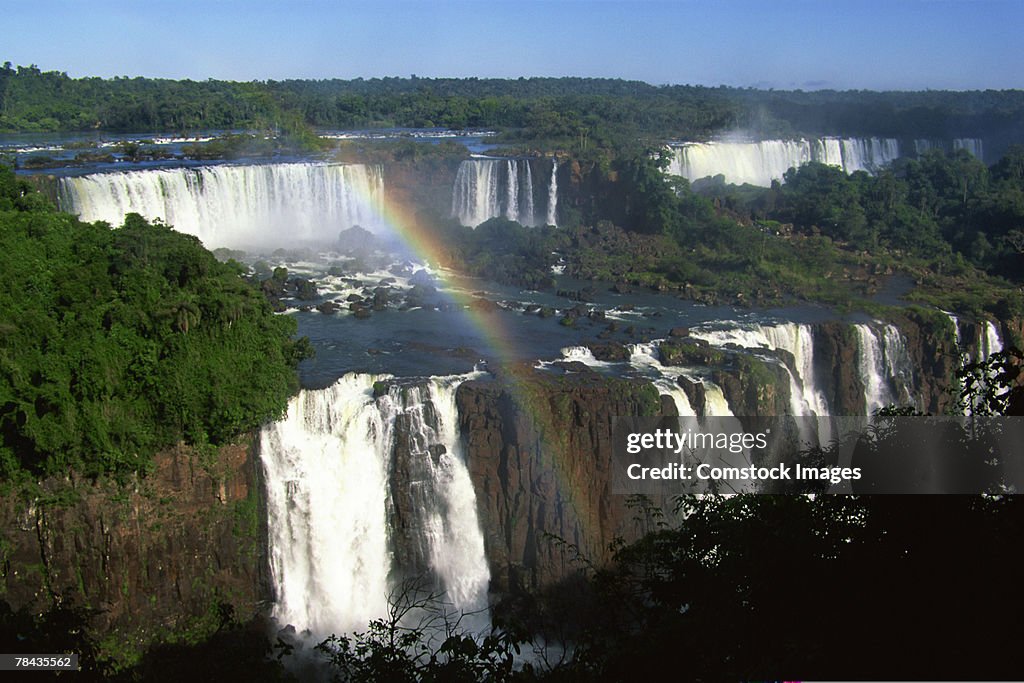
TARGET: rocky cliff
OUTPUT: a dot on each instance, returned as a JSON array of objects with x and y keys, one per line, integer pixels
[
  {"x": 538, "y": 445},
  {"x": 835, "y": 355},
  {"x": 930, "y": 345},
  {"x": 933, "y": 356},
  {"x": 539, "y": 448},
  {"x": 161, "y": 557}
]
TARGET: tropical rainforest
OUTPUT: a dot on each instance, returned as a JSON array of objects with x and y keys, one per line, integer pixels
[
  {"x": 534, "y": 108},
  {"x": 117, "y": 342}
]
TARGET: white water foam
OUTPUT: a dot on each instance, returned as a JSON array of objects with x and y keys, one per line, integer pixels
[
  {"x": 328, "y": 468},
  {"x": 237, "y": 206}
]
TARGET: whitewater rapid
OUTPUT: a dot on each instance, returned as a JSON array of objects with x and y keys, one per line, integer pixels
[
  {"x": 239, "y": 206},
  {"x": 489, "y": 188},
  {"x": 340, "y": 468}
]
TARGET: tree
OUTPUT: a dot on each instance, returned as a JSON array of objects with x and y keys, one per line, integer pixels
[
  {"x": 420, "y": 639},
  {"x": 117, "y": 342}
]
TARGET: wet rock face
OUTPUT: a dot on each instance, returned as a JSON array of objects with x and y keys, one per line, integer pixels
[
  {"x": 753, "y": 387},
  {"x": 411, "y": 489},
  {"x": 930, "y": 346},
  {"x": 539, "y": 446},
  {"x": 539, "y": 451},
  {"x": 695, "y": 393},
  {"x": 151, "y": 556},
  {"x": 934, "y": 358},
  {"x": 835, "y": 356}
]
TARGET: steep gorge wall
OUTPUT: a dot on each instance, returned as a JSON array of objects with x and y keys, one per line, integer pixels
[
  {"x": 933, "y": 355},
  {"x": 931, "y": 350},
  {"x": 157, "y": 556},
  {"x": 539, "y": 447},
  {"x": 154, "y": 558}
]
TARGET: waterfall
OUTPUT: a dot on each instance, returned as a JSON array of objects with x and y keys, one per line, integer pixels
[
  {"x": 986, "y": 342},
  {"x": 581, "y": 354},
  {"x": 868, "y": 154},
  {"x": 972, "y": 145},
  {"x": 956, "y": 329},
  {"x": 644, "y": 358},
  {"x": 553, "y": 194},
  {"x": 487, "y": 188},
  {"x": 898, "y": 367},
  {"x": 758, "y": 163},
  {"x": 236, "y": 206},
  {"x": 990, "y": 341},
  {"x": 923, "y": 146},
  {"x": 530, "y": 212},
  {"x": 576, "y": 354},
  {"x": 871, "y": 366},
  {"x": 363, "y": 491},
  {"x": 806, "y": 397},
  {"x": 512, "y": 198},
  {"x": 665, "y": 378},
  {"x": 475, "y": 196},
  {"x": 830, "y": 151},
  {"x": 715, "y": 403}
]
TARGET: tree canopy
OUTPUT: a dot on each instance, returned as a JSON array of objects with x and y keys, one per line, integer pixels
[
  {"x": 538, "y": 108},
  {"x": 116, "y": 342}
]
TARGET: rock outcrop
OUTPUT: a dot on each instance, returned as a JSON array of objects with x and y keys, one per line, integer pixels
[
  {"x": 155, "y": 557},
  {"x": 835, "y": 356},
  {"x": 933, "y": 357},
  {"x": 754, "y": 387},
  {"x": 539, "y": 450}
]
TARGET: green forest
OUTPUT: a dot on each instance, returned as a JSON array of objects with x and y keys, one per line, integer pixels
[
  {"x": 940, "y": 216},
  {"x": 947, "y": 221},
  {"x": 117, "y": 342},
  {"x": 145, "y": 344},
  {"x": 528, "y": 108}
]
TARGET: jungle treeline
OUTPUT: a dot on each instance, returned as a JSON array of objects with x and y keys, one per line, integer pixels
[{"x": 543, "y": 108}]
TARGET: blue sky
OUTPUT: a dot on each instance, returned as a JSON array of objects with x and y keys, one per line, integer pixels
[{"x": 896, "y": 44}]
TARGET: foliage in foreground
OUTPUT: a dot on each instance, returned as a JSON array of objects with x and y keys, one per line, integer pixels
[
  {"x": 114, "y": 343},
  {"x": 420, "y": 639}
]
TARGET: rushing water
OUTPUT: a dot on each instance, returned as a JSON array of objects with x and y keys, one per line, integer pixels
[
  {"x": 338, "y": 475},
  {"x": 367, "y": 485},
  {"x": 871, "y": 364},
  {"x": 236, "y": 206},
  {"x": 759, "y": 163},
  {"x": 488, "y": 188}
]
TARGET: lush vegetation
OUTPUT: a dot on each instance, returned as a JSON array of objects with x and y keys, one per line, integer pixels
[
  {"x": 947, "y": 205},
  {"x": 565, "y": 109},
  {"x": 743, "y": 587},
  {"x": 114, "y": 343},
  {"x": 944, "y": 219},
  {"x": 754, "y": 587},
  {"x": 947, "y": 223}
]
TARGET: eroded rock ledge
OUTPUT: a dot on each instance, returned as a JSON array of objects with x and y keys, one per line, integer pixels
[
  {"x": 151, "y": 558},
  {"x": 539, "y": 448}
]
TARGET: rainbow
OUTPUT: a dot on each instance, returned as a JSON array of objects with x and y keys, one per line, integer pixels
[
  {"x": 496, "y": 331},
  {"x": 108, "y": 197}
]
